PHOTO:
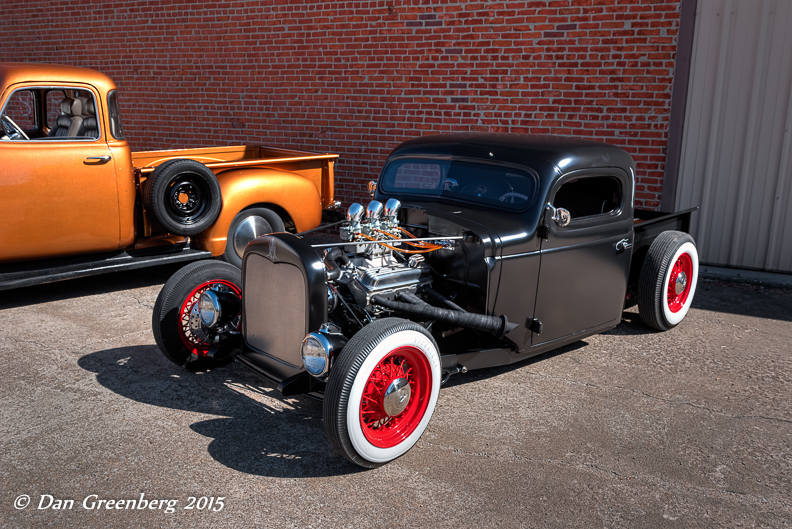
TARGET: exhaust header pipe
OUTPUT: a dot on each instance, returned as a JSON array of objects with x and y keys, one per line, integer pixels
[{"x": 496, "y": 325}]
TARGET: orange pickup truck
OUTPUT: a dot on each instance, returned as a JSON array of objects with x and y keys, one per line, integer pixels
[{"x": 76, "y": 201}]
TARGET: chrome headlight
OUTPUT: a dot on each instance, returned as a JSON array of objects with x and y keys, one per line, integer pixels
[
  {"x": 209, "y": 308},
  {"x": 316, "y": 352}
]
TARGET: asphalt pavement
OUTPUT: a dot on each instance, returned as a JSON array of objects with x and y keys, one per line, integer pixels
[{"x": 632, "y": 428}]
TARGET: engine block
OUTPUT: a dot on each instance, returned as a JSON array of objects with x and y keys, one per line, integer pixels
[{"x": 384, "y": 275}]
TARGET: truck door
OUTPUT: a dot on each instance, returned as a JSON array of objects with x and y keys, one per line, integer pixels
[
  {"x": 584, "y": 265},
  {"x": 58, "y": 193}
]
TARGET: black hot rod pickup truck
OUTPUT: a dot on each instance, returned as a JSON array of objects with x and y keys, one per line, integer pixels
[{"x": 478, "y": 250}]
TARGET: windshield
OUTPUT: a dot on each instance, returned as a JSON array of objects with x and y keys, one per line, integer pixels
[{"x": 481, "y": 183}]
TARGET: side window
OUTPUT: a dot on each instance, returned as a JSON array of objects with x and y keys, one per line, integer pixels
[
  {"x": 21, "y": 110},
  {"x": 589, "y": 196},
  {"x": 50, "y": 113}
]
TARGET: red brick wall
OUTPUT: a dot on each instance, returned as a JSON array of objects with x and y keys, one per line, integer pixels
[{"x": 357, "y": 78}]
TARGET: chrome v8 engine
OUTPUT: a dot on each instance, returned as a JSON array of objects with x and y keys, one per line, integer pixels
[{"x": 384, "y": 275}]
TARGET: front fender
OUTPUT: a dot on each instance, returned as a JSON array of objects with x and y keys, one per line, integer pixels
[{"x": 243, "y": 188}]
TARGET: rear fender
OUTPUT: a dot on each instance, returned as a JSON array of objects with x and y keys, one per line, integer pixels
[{"x": 243, "y": 188}]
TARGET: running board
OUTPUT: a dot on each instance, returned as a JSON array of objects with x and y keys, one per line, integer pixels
[{"x": 25, "y": 274}]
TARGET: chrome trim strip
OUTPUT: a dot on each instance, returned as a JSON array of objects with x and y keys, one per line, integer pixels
[
  {"x": 583, "y": 244},
  {"x": 503, "y": 257}
]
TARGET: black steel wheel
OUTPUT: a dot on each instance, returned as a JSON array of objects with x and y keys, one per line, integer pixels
[
  {"x": 184, "y": 196},
  {"x": 382, "y": 391},
  {"x": 170, "y": 320},
  {"x": 245, "y": 227},
  {"x": 668, "y": 280}
]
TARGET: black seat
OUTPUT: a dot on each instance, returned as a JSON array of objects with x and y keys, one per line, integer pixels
[{"x": 69, "y": 122}]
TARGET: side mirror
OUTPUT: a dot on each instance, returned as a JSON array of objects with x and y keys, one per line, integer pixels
[
  {"x": 372, "y": 188},
  {"x": 560, "y": 215}
]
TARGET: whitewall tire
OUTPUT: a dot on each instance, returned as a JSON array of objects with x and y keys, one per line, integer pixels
[
  {"x": 382, "y": 391},
  {"x": 668, "y": 281}
]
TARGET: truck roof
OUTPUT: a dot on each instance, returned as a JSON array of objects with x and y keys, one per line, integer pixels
[
  {"x": 18, "y": 72},
  {"x": 564, "y": 152}
]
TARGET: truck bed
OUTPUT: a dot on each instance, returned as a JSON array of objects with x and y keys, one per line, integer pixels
[
  {"x": 650, "y": 224},
  {"x": 317, "y": 168},
  {"x": 220, "y": 158},
  {"x": 647, "y": 226}
]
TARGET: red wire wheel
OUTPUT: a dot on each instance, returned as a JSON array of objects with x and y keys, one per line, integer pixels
[
  {"x": 380, "y": 428},
  {"x": 171, "y": 315},
  {"x": 668, "y": 279},
  {"x": 681, "y": 271},
  {"x": 382, "y": 391},
  {"x": 190, "y": 341}
]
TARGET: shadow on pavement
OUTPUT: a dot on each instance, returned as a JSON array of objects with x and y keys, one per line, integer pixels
[
  {"x": 256, "y": 430},
  {"x": 744, "y": 299},
  {"x": 631, "y": 325},
  {"x": 489, "y": 372}
]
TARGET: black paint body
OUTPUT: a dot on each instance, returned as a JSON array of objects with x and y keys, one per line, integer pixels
[{"x": 573, "y": 279}]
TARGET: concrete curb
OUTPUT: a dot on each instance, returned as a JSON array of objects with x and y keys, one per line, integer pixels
[{"x": 767, "y": 279}]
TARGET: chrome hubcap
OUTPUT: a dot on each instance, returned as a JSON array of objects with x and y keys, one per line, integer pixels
[
  {"x": 681, "y": 283},
  {"x": 247, "y": 230},
  {"x": 397, "y": 397}
]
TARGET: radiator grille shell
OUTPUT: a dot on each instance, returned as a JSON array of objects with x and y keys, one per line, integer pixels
[{"x": 275, "y": 308}]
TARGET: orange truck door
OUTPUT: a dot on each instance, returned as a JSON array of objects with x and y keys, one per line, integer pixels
[
  {"x": 58, "y": 193},
  {"x": 57, "y": 198}
]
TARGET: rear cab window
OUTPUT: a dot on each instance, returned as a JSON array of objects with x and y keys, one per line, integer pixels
[
  {"x": 114, "y": 113},
  {"x": 493, "y": 185}
]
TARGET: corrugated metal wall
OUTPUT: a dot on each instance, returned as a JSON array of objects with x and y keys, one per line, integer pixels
[{"x": 735, "y": 161}]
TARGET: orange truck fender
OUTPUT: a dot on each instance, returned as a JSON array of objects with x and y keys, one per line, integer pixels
[{"x": 245, "y": 188}]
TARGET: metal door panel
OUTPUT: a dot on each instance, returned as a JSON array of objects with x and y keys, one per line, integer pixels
[
  {"x": 583, "y": 276},
  {"x": 54, "y": 202},
  {"x": 582, "y": 285}
]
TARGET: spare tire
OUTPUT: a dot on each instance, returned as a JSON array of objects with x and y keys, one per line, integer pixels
[{"x": 183, "y": 196}]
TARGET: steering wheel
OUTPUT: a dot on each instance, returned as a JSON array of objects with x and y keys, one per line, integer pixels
[
  {"x": 12, "y": 128},
  {"x": 512, "y": 195}
]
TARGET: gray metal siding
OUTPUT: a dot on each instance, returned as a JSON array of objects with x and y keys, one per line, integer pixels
[{"x": 735, "y": 161}]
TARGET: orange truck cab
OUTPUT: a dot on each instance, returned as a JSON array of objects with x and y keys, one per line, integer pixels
[{"x": 77, "y": 201}]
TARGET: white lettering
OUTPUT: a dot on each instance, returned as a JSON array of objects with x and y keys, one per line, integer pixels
[
  {"x": 41, "y": 501},
  {"x": 85, "y": 502}
]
